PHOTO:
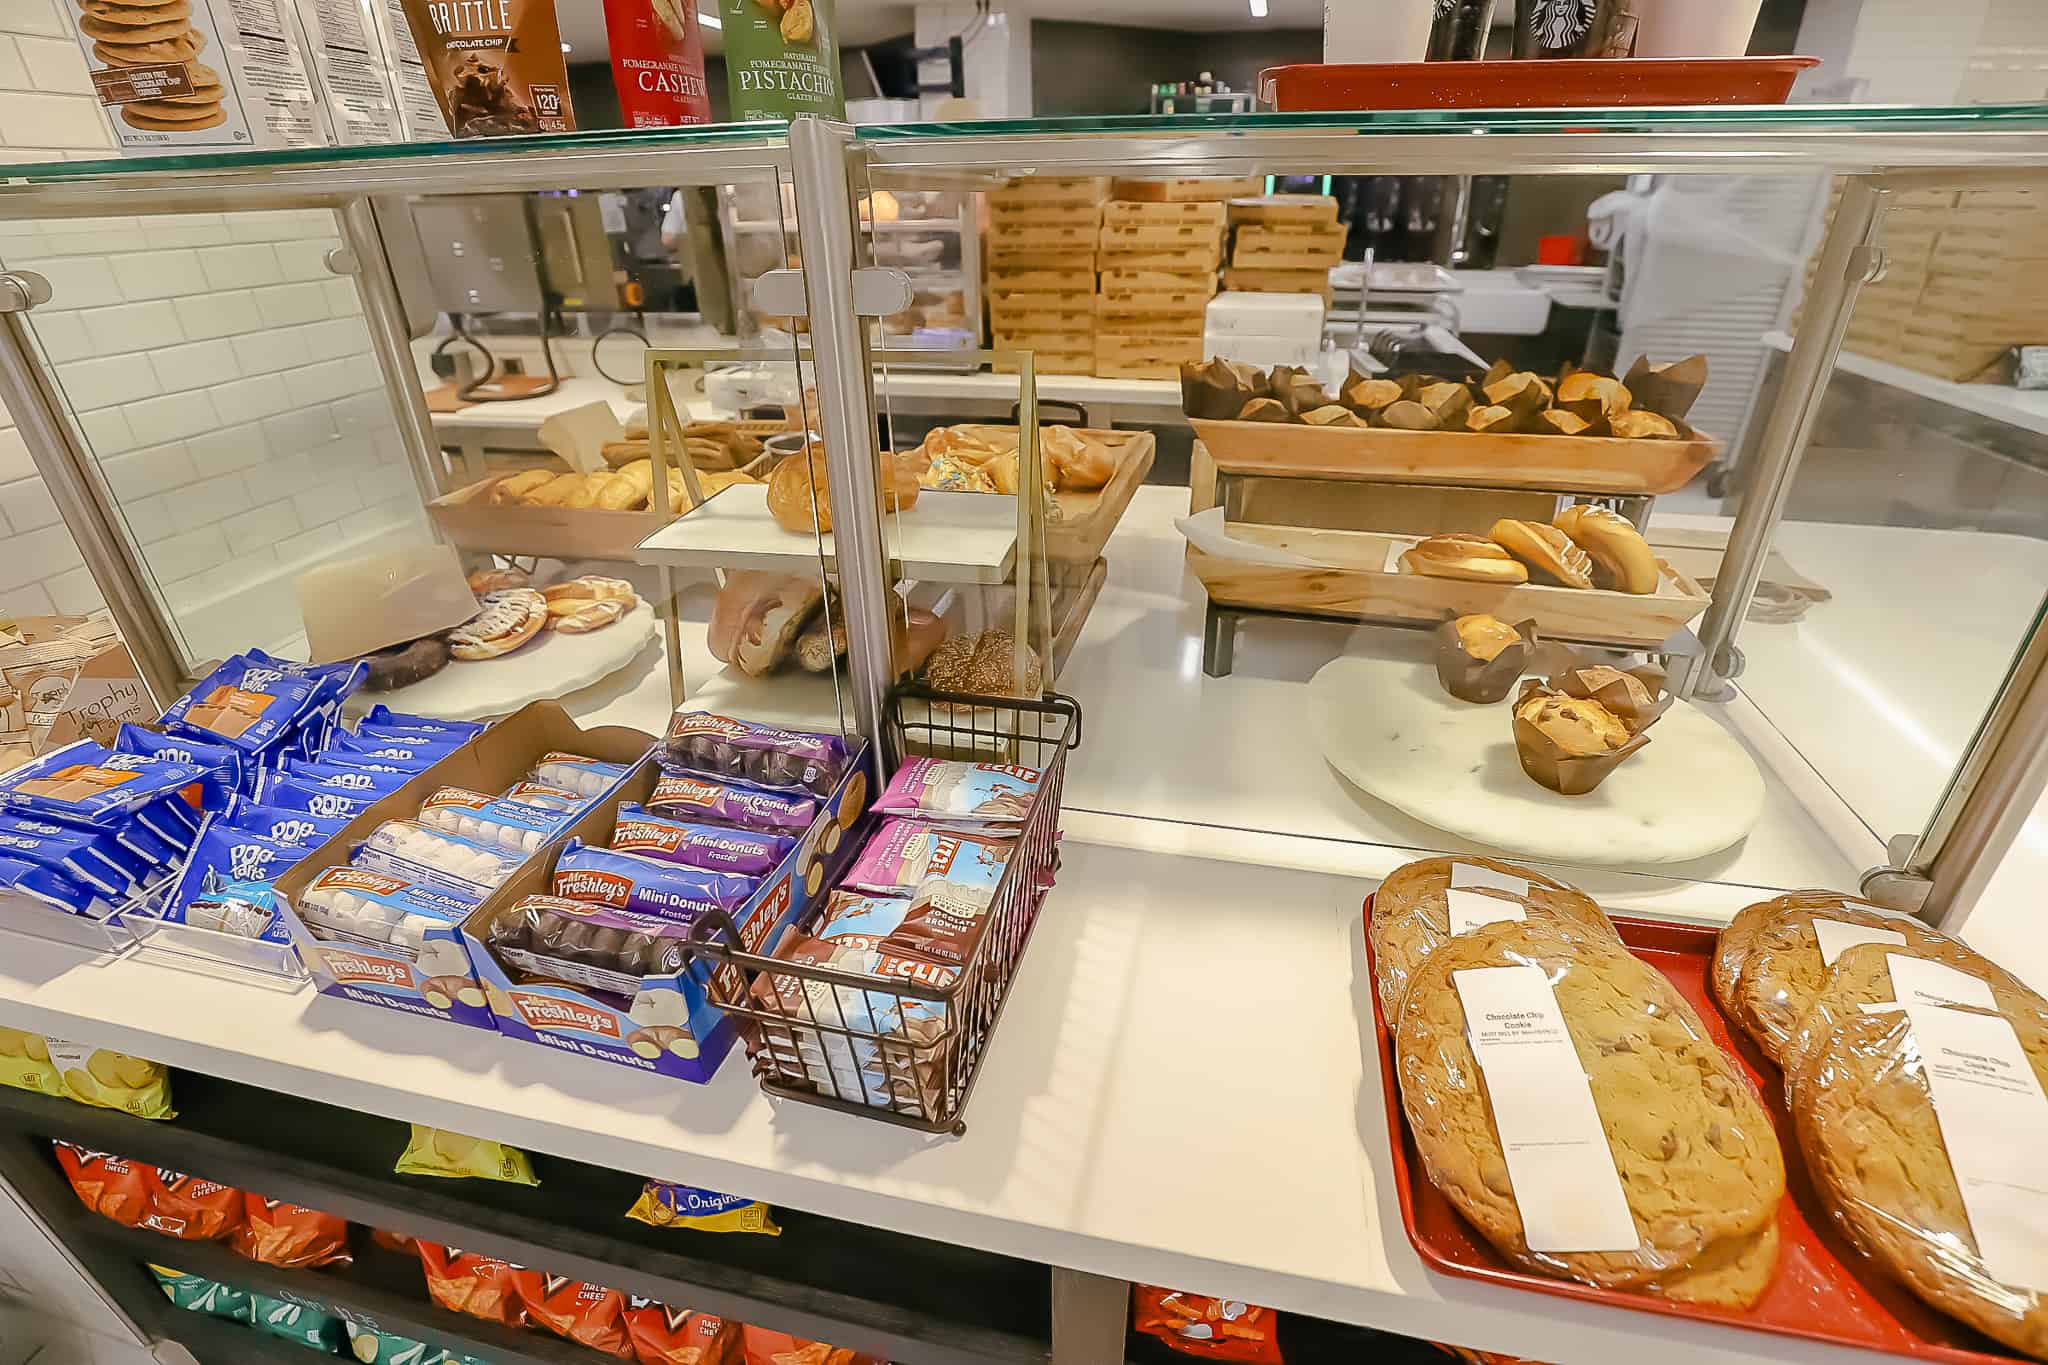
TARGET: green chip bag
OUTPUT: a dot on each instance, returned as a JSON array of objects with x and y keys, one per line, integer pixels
[
  {"x": 781, "y": 59},
  {"x": 374, "y": 1346},
  {"x": 299, "y": 1322},
  {"x": 197, "y": 1294}
]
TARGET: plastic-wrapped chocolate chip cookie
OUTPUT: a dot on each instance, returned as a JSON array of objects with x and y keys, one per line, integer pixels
[
  {"x": 1412, "y": 912},
  {"x": 1886, "y": 1165},
  {"x": 1788, "y": 956},
  {"x": 1732, "y": 944},
  {"x": 1694, "y": 1157}
]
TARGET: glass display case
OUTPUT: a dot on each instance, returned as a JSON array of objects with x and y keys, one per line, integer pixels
[{"x": 1258, "y": 648}]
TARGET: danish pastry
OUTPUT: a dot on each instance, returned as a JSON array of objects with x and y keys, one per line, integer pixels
[
  {"x": 1546, "y": 550},
  {"x": 1621, "y": 557},
  {"x": 1474, "y": 558},
  {"x": 508, "y": 620}
]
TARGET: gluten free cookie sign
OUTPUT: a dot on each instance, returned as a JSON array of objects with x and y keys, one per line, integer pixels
[
  {"x": 146, "y": 50},
  {"x": 177, "y": 74}
]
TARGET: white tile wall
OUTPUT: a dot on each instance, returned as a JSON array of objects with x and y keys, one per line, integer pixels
[{"x": 218, "y": 371}]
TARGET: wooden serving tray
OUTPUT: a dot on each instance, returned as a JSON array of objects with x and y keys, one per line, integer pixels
[
  {"x": 1088, "y": 517},
  {"x": 1564, "y": 464},
  {"x": 472, "y": 522},
  {"x": 1361, "y": 588}
]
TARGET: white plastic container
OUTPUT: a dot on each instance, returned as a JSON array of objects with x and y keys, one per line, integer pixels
[
  {"x": 1292, "y": 317},
  {"x": 1264, "y": 352}
]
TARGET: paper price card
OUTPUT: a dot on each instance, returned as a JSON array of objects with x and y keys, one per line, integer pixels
[{"x": 1558, "y": 1161}]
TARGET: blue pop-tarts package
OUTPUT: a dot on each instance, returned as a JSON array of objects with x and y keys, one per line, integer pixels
[
  {"x": 304, "y": 828},
  {"x": 85, "y": 853},
  {"x": 341, "y": 775},
  {"x": 284, "y": 792},
  {"x": 383, "y": 720},
  {"x": 245, "y": 705},
  {"x": 227, "y": 770},
  {"x": 89, "y": 783},
  {"x": 244, "y": 909},
  {"x": 40, "y": 881},
  {"x": 397, "y": 751}
]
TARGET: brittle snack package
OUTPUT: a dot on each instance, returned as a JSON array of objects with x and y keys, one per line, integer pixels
[{"x": 496, "y": 65}]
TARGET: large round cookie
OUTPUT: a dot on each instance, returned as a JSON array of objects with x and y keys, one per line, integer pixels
[
  {"x": 1410, "y": 917},
  {"x": 1874, "y": 1149},
  {"x": 1732, "y": 944},
  {"x": 1698, "y": 1162},
  {"x": 1783, "y": 968},
  {"x": 1862, "y": 977},
  {"x": 1733, "y": 1273}
]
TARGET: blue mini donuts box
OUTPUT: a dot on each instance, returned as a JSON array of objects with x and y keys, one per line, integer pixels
[{"x": 669, "y": 1026}]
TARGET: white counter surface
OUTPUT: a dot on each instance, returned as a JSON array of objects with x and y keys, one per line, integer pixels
[
  {"x": 2026, "y": 409},
  {"x": 1181, "y": 1092}
]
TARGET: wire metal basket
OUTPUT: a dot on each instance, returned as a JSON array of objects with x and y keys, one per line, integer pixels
[{"x": 907, "y": 1049}]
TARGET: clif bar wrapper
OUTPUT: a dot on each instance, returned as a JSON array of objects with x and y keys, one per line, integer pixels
[
  {"x": 962, "y": 795},
  {"x": 706, "y": 800},
  {"x": 761, "y": 755}
]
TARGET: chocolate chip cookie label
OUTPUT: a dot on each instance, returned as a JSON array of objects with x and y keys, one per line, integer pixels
[
  {"x": 1994, "y": 1124},
  {"x": 1836, "y": 937},
  {"x": 1920, "y": 981},
  {"x": 1469, "y": 910},
  {"x": 1476, "y": 877},
  {"x": 1559, "y": 1164}
]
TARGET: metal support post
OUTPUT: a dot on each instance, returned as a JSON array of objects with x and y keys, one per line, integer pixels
[
  {"x": 846, "y": 410},
  {"x": 391, "y": 339},
  {"x": 80, "y": 491},
  {"x": 1849, "y": 258}
]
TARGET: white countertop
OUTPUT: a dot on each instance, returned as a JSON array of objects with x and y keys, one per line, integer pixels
[
  {"x": 531, "y": 412},
  {"x": 2026, "y": 409},
  {"x": 1181, "y": 1092}
]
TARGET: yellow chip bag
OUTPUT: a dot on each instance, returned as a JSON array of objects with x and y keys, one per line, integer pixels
[
  {"x": 25, "y": 1063},
  {"x": 112, "y": 1080},
  {"x": 685, "y": 1206},
  {"x": 436, "y": 1151}
]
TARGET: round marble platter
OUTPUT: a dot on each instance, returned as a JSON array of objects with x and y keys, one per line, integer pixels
[
  {"x": 1391, "y": 730},
  {"x": 553, "y": 665}
]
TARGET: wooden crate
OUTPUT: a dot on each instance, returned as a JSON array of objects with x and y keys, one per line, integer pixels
[
  {"x": 1300, "y": 258},
  {"x": 1194, "y": 212},
  {"x": 1041, "y": 279},
  {"x": 1193, "y": 259},
  {"x": 1137, "y": 357},
  {"x": 1312, "y": 209},
  {"x": 1009, "y": 217},
  {"x": 1020, "y": 258},
  {"x": 1204, "y": 187},
  {"x": 1559, "y": 464},
  {"x": 1141, "y": 288},
  {"x": 1256, "y": 281},
  {"x": 1136, "y": 318},
  {"x": 1057, "y": 355},
  {"x": 1052, "y": 189},
  {"x": 1117, "y": 238},
  {"x": 1358, "y": 585},
  {"x": 1041, "y": 314},
  {"x": 1076, "y": 238}
]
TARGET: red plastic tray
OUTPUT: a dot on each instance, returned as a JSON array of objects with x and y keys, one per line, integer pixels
[
  {"x": 1567, "y": 83},
  {"x": 1821, "y": 1292}
]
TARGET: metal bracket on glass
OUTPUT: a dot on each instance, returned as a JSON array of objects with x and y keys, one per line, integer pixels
[
  {"x": 1892, "y": 886},
  {"x": 878, "y": 291},
  {"x": 341, "y": 261},
  {"x": 21, "y": 290}
]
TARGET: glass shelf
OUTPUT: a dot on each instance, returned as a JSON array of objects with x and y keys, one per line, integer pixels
[
  {"x": 1800, "y": 117},
  {"x": 767, "y": 134}
]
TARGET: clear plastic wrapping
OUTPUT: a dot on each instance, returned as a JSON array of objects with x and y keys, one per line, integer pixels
[
  {"x": 1732, "y": 944},
  {"x": 1693, "y": 1149},
  {"x": 494, "y": 822},
  {"x": 1411, "y": 916},
  {"x": 409, "y": 849},
  {"x": 1879, "y": 1156},
  {"x": 1781, "y": 969}
]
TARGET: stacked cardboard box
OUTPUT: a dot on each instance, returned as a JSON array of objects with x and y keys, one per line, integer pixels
[
  {"x": 1162, "y": 241},
  {"x": 1041, "y": 270},
  {"x": 1284, "y": 244},
  {"x": 1966, "y": 276}
]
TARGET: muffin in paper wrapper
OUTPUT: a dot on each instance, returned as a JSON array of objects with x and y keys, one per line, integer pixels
[
  {"x": 1220, "y": 388},
  {"x": 1485, "y": 681},
  {"x": 1637, "y": 699}
]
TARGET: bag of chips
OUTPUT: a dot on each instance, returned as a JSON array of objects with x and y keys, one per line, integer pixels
[
  {"x": 25, "y": 1063},
  {"x": 780, "y": 1348},
  {"x": 197, "y": 1294},
  {"x": 467, "y": 1282},
  {"x": 587, "y": 1314},
  {"x": 190, "y": 1209},
  {"x": 112, "y": 1080},
  {"x": 1212, "y": 1329},
  {"x": 676, "y": 1336},
  {"x": 299, "y": 1322},
  {"x": 292, "y": 1235},
  {"x": 436, "y": 1151},
  {"x": 663, "y": 1205},
  {"x": 375, "y": 1346},
  {"x": 394, "y": 1241},
  {"x": 111, "y": 1186}
]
